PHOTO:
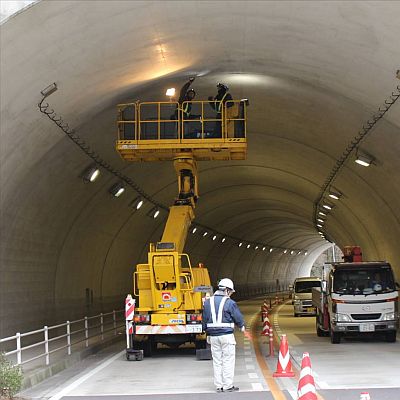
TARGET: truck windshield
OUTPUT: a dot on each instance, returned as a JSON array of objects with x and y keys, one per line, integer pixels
[
  {"x": 363, "y": 281},
  {"x": 306, "y": 286}
]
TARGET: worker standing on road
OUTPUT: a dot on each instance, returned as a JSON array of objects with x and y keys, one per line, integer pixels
[{"x": 220, "y": 315}]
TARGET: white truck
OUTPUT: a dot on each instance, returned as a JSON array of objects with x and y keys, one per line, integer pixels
[
  {"x": 357, "y": 298},
  {"x": 302, "y": 295}
]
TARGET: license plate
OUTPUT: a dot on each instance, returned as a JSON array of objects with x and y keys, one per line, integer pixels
[{"x": 367, "y": 327}]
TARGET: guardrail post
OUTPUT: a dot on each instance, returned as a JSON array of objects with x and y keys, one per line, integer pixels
[
  {"x": 46, "y": 344},
  {"x": 115, "y": 322},
  {"x": 101, "y": 326},
  {"x": 87, "y": 331},
  {"x": 19, "y": 351},
  {"x": 69, "y": 338}
]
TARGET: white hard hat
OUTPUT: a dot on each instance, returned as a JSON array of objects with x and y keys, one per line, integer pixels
[{"x": 226, "y": 283}]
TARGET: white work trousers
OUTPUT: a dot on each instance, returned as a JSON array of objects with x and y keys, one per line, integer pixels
[{"x": 223, "y": 354}]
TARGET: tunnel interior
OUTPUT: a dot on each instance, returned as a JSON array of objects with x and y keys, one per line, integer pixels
[{"x": 322, "y": 86}]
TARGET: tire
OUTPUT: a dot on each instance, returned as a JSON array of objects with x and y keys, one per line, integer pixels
[
  {"x": 335, "y": 337},
  {"x": 391, "y": 336}
]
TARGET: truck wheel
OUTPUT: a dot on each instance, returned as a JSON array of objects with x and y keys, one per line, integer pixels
[
  {"x": 391, "y": 336},
  {"x": 320, "y": 332},
  {"x": 335, "y": 337}
]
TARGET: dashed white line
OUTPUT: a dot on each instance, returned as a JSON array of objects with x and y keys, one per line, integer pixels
[
  {"x": 250, "y": 366},
  {"x": 257, "y": 387},
  {"x": 252, "y": 375}
]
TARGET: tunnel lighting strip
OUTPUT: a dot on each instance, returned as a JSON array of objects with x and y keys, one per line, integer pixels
[
  {"x": 362, "y": 133},
  {"x": 44, "y": 108}
]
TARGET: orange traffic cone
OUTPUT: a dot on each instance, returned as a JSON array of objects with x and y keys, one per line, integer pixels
[
  {"x": 284, "y": 367},
  {"x": 266, "y": 325},
  {"x": 306, "y": 388},
  {"x": 365, "y": 396}
]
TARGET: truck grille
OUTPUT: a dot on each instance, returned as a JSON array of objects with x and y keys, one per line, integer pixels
[
  {"x": 365, "y": 317},
  {"x": 306, "y": 303}
]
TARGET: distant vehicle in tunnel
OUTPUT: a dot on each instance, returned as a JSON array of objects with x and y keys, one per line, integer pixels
[
  {"x": 357, "y": 298},
  {"x": 302, "y": 295}
]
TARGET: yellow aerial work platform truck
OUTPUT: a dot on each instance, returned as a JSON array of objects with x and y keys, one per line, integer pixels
[{"x": 169, "y": 290}]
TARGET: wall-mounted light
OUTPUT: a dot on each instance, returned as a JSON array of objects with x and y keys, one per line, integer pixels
[
  {"x": 117, "y": 189},
  {"x": 137, "y": 203},
  {"x": 90, "y": 174},
  {"x": 364, "y": 160},
  {"x": 334, "y": 194},
  {"x": 194, "y": 230}
]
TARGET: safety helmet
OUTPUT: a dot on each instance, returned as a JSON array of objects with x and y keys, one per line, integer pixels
[
  {"x": 222, "y": 86},
  {"x": 191, "y": 93},
  {"x": 226, "y": 283}
]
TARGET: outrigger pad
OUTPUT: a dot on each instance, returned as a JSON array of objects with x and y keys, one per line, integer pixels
[
  {"x": 134, "y": 355},
  {"x": 203, "y": 354}
]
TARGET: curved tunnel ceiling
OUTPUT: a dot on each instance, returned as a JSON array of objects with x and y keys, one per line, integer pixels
[{"x": 314, "y": 74}]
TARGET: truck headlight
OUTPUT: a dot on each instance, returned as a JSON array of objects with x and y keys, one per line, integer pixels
[
  {"x": 342, "y": 318},
  {"x": 389, "y": 316}
]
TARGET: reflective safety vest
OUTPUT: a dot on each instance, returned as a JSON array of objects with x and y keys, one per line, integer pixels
[
  {"x": 221, "y": 103},
  {"x": 185, "y": 109},
  {"x": 217, "y": 320}
]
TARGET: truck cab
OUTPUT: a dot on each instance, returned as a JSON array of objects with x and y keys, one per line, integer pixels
[
  {"x": 302, "y": 295},
  {"x": 360, "y": 297}
]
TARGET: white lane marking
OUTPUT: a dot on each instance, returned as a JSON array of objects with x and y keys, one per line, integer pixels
[
  {"x": 247, "y": 353},
  {"x": 323, "y": 385},
  {"x": 253, "y": 375},
  {"x": 293, "y": 394},
  {"x": 257, "y": 387},
  {"x": 248, "y": 359},
  {"x": 83, "y": 378},
  {"x": 250, "y": 366}
]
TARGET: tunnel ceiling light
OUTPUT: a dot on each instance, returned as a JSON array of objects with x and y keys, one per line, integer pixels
[
  {"x": 319, "y": 226},
  {"x": 263, "y": 249},
  {"x": 321, "y": 220},
  {"x": 137, "y": 203},
  {"x": 305, "y": 253},
  {"x": 47, "y": 91},
  {"x": 154, "y": 212},
  {"x": 248, "y": 246},
  {"x": 240, "y": 244},
  {"x": 334, "y": 195},
  {"x": 90, "y": 174},
  {"x": 328, "y": 206},
  {"x": 170, "y": 92},
  {"x": 322, "y": 213},
  {"x": 299, "y": 253},
  {"x": 117, "y": 189},
  {"x": 285, "y": 251},
  {"x": 292, "y": 252},
  {"x": 223, "y": 239},
  {"x": 214, "y": 237},
  {"x": 364, "y": 160},
  {"x": 256, "y": 248},
  {"x": 205, "y": 234},
  {"x": 271, "y": 250},
  {"x": 194, "y": 230}
]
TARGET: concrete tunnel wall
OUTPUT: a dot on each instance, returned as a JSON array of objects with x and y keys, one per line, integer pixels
[{"x": 314, "y": 74}]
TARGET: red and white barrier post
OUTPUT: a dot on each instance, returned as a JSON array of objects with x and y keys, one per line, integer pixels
[
  {"x": 129, "y": 315},
  {"x": 271, "y": 341}
]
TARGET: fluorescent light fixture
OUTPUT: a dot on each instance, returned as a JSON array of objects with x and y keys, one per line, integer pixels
[
  {"x": 214, "y": 237},
  {"x": 319, "y": 226},
  {"x": 322, "y": 213},
  {"x": 364, "y": 160},
  {"x": 328, "y": 206},
  {"x": 263, "y": 249},
  {"x": 320, "y": 220},
  {"x": 299, "y": 253},
  {"x": 285, "y": 251},
  {"x": 90, "y": 174},
  {"x": 223, "y": 239},
  {"x": 156, "y": 213},
  {"x": 271, "y": 250},
  {"x": 248, "y": 246},
  {"x": 205, "y": 234},
  {"x": 137, "y": 203},
  {"x": 194, "y": 230},
  {"x": 292, "y": 252},
  {"x": 117, "y": 189},
  {"x": 305, "y": 253},
  {"x": 256, "y": 248},
  {"x": 240, "y": 244},
  {"x": 170, "y": 92},
  {"x": 334, "y": 195},
  {"x": 47, "y": 91}
]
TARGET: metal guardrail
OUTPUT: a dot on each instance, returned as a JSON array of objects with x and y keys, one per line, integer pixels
[{"x": 74, "y": 332}]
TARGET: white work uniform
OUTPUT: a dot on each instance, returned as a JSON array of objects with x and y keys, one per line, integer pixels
[{"x": 223, "y": 349}]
